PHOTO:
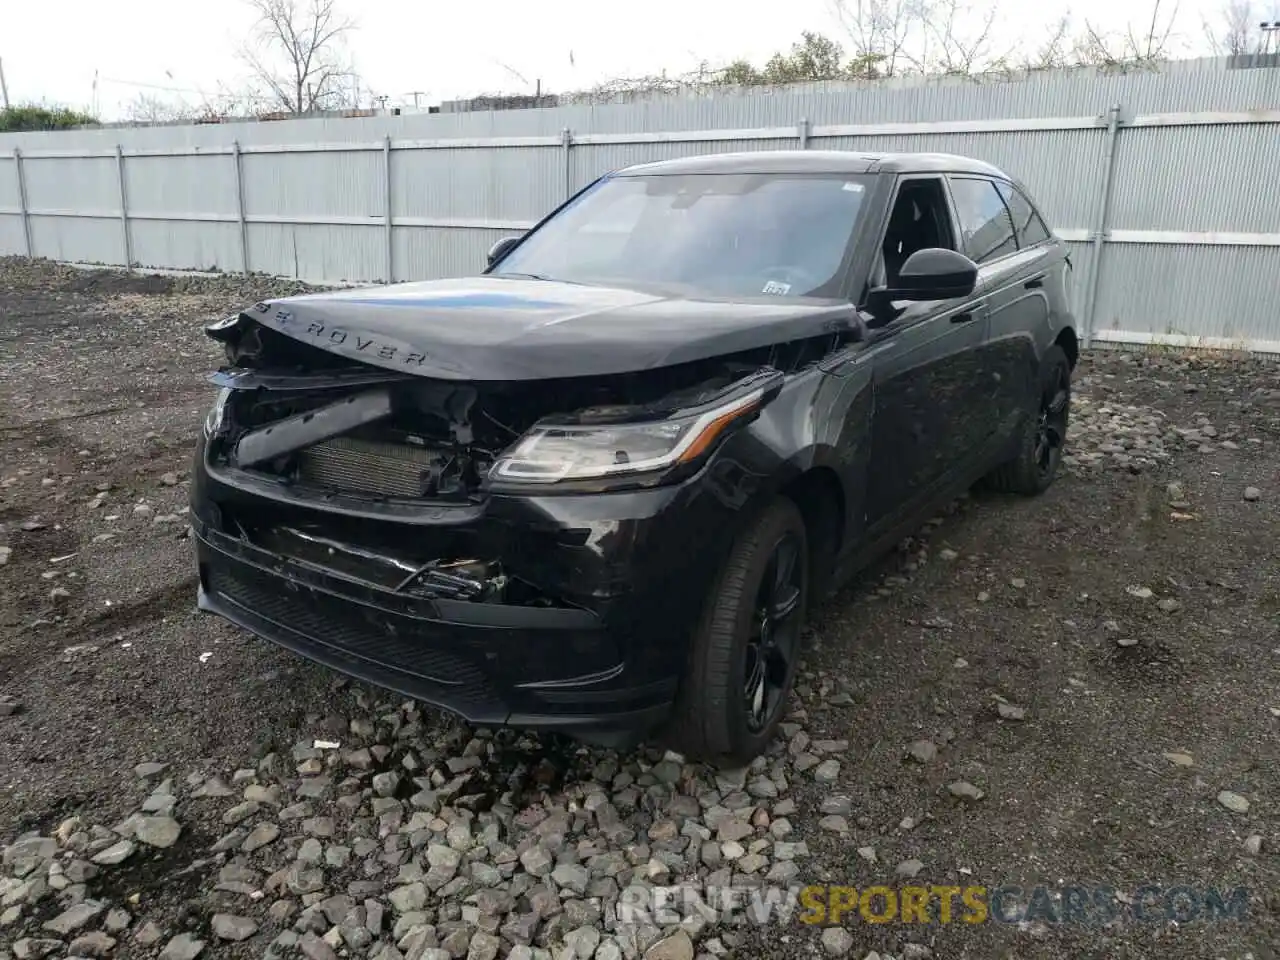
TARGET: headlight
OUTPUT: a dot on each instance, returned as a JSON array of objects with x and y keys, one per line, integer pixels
[
  {"x": 552, "y": 452},
  {"x": 213, "y": 420}
]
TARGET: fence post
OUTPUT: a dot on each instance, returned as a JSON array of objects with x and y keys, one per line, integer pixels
[
  {"x": 22, "y": 202},
  {"x": 244, "y": 224},
  {"x": 1099, "y": 235},
  {"x": 386, "y": 173},
  {"x": 566, "y": 139},
  {"x": 124, "y": 210},
  {"x": 802, "y": 131}
]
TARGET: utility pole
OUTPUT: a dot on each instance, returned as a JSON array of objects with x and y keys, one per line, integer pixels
[
  {"x": 4, "y": 87},
  {"x": 416, "y": 94}
]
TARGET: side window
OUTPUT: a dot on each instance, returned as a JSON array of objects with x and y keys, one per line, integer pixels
[
  {"x": 984, "y": 219},
  {"x": 1031, "y": 229},
  {"x": 919, "y": 219}
]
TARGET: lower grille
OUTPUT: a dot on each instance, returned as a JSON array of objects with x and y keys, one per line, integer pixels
[
  {"x": 365, "y": 466},
  {"x": 350, "y": 628}
]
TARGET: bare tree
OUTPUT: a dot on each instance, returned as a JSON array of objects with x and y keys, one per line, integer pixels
[
  {"x": 1236, "y": 30},
  {"x": 1055, "y": 52},
  {"x": 880, "y": 33},
  {"x": 958, "y": 37},
  {"x": 297, "y": 55},
  {"x": 1146, "y": 41},
  {"x": 149, "y": 108}
]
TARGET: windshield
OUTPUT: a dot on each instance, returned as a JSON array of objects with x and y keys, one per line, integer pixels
[{"x": 731, "y": 235}]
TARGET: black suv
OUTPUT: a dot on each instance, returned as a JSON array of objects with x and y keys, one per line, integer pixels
[{"x": 596, "y": 488}]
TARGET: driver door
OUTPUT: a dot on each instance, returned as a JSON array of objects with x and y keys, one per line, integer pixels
[{"x": 927, "y": 422}]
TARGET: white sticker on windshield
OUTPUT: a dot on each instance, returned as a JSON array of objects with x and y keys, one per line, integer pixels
[
  {"x": 777, "y": 288},
  {"x": 852, "y": 187}
]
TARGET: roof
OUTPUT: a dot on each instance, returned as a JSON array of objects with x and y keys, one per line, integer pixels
[{"x": 814, "y": 161}]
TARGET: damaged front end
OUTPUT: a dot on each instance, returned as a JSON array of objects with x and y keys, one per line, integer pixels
[{"x": 387, "y": 478}]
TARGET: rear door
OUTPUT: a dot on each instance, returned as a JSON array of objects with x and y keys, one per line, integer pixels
[
  {"x": 1005, "y": 237},
  {"x": 926, "y": 371}
]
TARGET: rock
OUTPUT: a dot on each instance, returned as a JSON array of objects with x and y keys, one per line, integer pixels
[
  {"x": 74, "y": 917},
  {"x": 923, "y": 751},
  {"x": 182, "y": 947},
  {"x": 827, "y": 772},
  {"x": 228, "y": 926},
  {"x": 1233, "y": 802},
  {"x": 1252, "y": 494},
  {"x": 260, "y": 836},
  {"x": 169, "y": 479},
  {"x": 409, "y": 898},
  {"x": 159, "y": 832},
  {"x": 915, "y": 951},
  {"x": 147, "y": 934},
  {"x": 582, "y": 941},
  {"x": 678, "y": 946},
  {"x": 5, "y": 554},
  {"x": 1168, "y": 605},
  {"x": 1179, "y": 759},
  {"x": 213, "y": 787},
  {"x": 386, "y": 784},
  {"x": 1009, "y": 711},
  {"x": 150, "y": 769},
  {"x": 1142, "y": 593},
  {"x": 1253, "y": 844},
  {"x": 572, "y": 877},
  {"x": 95, "y": 944},
  {"x": 31, "y": 948},
  {"x": 868, "y": 854},
  {"x": 834, "y": 824},
  {"x": 537, "y": 860},
  {"x": 313, "y": 948},
  {"x": 964, "y": 790},
  {"x": 909, "y": 868},
  {"x": 837, "y": 941},
  {"x": 9, "y": 705},
  {"x": 732, "y": 829}
]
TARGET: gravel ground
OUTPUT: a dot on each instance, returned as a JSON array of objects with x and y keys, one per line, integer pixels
[{"x": 1074, "y": 691}]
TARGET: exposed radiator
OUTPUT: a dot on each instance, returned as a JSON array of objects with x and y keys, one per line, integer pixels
[{"x": 365, "y": 466}]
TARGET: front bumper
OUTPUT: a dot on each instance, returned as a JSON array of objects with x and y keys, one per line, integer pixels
[{"x": 609, "y": 659}]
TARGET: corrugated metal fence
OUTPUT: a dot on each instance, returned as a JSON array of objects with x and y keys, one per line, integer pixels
[{"x": 1163, "y": 182}]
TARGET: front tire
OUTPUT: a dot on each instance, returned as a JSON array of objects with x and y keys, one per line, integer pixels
[
  {"x": 743, "y": 657},
  {"x": 1043, "y": 433}
]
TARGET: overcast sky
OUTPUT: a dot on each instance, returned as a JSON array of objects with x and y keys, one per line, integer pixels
[{"x": 51, "y": 49}]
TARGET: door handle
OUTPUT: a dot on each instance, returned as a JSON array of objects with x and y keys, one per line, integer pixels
[
  {"x": 1035, "y": 283},
  {"x": 964, "y": 317}
]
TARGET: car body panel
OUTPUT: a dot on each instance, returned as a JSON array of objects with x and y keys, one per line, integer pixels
[{"x": 500, "y": 329}]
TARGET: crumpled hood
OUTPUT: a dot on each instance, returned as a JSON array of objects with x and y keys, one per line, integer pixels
[{"x": 490, "y": 328}]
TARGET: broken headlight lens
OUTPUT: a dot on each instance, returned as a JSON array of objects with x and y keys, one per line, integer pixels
[
  {"x": 552, "y": 452},
  {"x": 213, "y": 420}
]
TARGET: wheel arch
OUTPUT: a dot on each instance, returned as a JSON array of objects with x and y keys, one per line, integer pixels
[
  {"x": 1070, "y": 344},
  {"x": 820, "y": 498}
]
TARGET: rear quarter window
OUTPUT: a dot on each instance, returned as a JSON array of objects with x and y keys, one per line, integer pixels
[{"x": 1030, "y": 227}]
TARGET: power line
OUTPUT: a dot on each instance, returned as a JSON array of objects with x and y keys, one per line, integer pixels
[{"x": 150, "y": 86}]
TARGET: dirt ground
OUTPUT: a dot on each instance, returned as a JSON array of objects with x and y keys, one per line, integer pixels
[{"x": 1100, "y": 663}]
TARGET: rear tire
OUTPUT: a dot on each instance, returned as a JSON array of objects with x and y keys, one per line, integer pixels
[
  {"x": 743, "y": 656},
  {"x": 1043, "y": 432}
]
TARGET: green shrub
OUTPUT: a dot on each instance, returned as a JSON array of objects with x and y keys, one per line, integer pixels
[{"x": 34, "y": 117}]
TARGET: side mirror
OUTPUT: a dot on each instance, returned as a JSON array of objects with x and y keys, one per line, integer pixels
[
  {"x": 501, "y": 249},
  {"x": 934, "y": 274}
]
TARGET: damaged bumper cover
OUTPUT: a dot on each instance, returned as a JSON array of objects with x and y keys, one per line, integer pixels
[{"x": 586, "y": 662}]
